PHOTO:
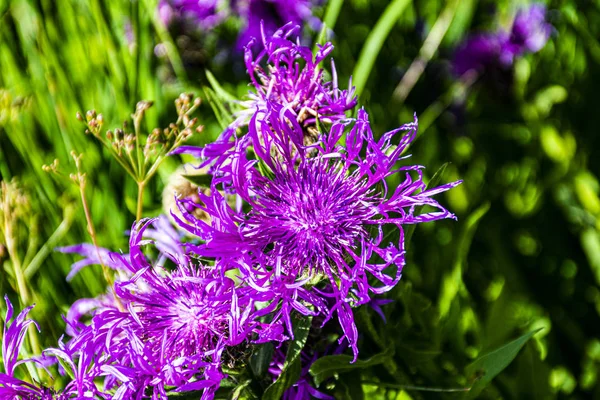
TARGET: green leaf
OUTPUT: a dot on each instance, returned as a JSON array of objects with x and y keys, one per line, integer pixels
[
  {"x": 261, "y": 358},
  {"x": 222, "y": 93},
  {"x": 223, "y": 115},
  {"x": 326, "y": 367},
  {"x": 433, "y": 182},
  {"x": 331, "y": 15},
  {"x": 291, "y": 367},
  {"x": 488, "y": 366},
  {"x": 374, "y": 42},
  {"x": 452, "y": 280},
  {"x": 200, "y": 180}
]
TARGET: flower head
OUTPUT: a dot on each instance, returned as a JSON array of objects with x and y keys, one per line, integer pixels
[
  {"x": 13, "y": 388},
  {"x": 319, "y": 215},
  {"x": 174, "y": 321},
  {"x": 286, "y": 73}
]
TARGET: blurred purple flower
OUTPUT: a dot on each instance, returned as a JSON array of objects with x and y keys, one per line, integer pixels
[
  {"x": 477, "y": 53},
  {"x": 204, "y": 13},
  {"x": 273, "y": 14},
  {"x": 529, "y": 34}
]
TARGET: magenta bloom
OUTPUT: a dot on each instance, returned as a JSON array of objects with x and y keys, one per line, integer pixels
[
  {"x": 478, "y": 53},
  {"x": 316, "y": 214},
  {"x": 170, "y": 322}
]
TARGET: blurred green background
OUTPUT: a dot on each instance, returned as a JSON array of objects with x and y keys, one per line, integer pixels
[{"x": 524, "y": 254}]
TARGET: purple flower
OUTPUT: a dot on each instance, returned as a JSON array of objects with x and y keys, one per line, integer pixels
[
  {"x": 171, "y": 324},
  {"x": 292, "y": 78},
  {"x": 316, "y": 213},
  {"x": 12, "y": 340},
  {"x": 201, "y": 12},
  {"x": 272, "y": 14},
  {"x": 529, "y": 34}
]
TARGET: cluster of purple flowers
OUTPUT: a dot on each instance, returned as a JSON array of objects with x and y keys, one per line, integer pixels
[
  {"x": 529, "y": 33},
  {"x": 293, "y": 227}
]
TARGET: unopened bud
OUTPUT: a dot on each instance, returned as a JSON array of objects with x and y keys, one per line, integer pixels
[
  {"x": 90, "y": 115},
  {"x": 79, "y": 116}
]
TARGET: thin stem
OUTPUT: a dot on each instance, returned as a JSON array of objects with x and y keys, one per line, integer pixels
[
  {"x": 80, "y": 179},
  {"x": 11, "y": 246},
  {"x": 412, "y": 387},
  {"x": 90, "y": 227},
  {"x": 41, "y": 255},
  {"x": 138, "y": 148},
  {"x": 331, "y": 15},
  {"x": 426, "y": 52},
  {"x": 140, "y": 200},
  {"x": 457, "y": 91}
]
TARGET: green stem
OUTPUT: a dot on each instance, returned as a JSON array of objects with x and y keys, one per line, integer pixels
[
  {"x": 331, "y": 15},
  {"x": 412, "y": 387},
  {"x": 426, "y": 52},
  {"x": 140, "y": 200},
  {"x": 169, "y": 44},
  {"x": 43, "y": 253},
  {"x": 458, "y": 90},
  {"x": 375, "y": 41}
]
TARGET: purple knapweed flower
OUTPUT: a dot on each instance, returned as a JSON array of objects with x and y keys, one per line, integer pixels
[
  {"x": 529, "y": 33},
  {"x": 286, "y": 73},
  {"x": 272, "y": 14},
  {"x": 316, "y": 213},
  {"x": 203, "y": 13},
  {"x": 171, "y": 323}
]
